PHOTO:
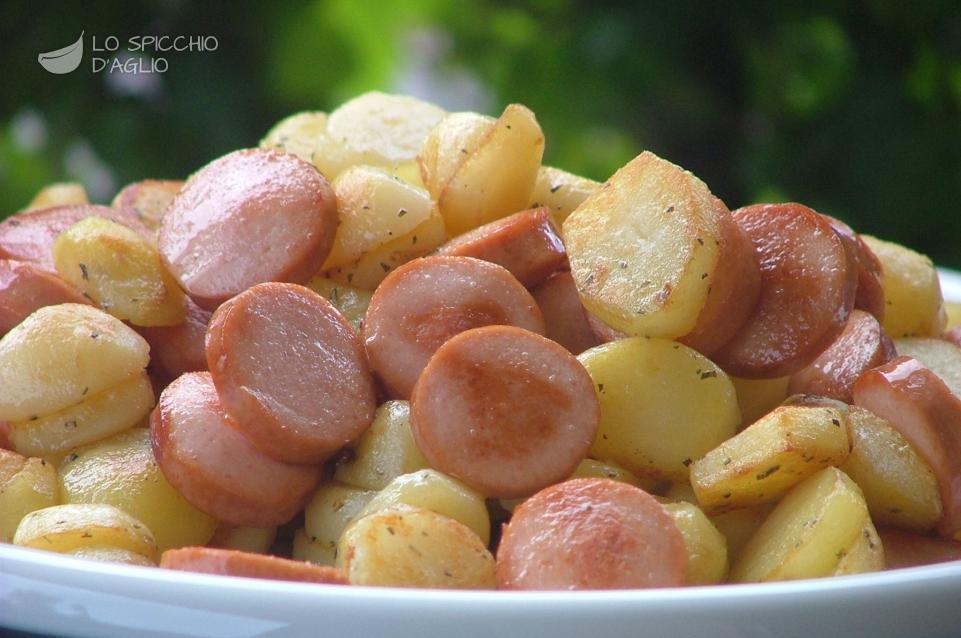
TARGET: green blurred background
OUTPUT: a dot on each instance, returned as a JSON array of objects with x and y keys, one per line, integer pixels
[{"x": 852, "y": 108}]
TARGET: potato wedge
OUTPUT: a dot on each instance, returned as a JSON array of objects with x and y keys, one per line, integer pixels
[
  {"x": 413, "y": 547},
  {"x": 371, "y": 269},
  {"x": 63, "y": 528},
  {"x": 59, "y": 194},
  {"x": 99, "y": 416},
  {"x": 899, "y": 487},
  {"x": 447, "y": 147},
  {"x": 384, "y": 452},
  {"x": 644, "y": 248},
  {"x": 706, "y": 546},
  {"x": 808, "y": 532},
  {"x": 662, "y": 405},
  {"x": 439, "y": 493},
  {"x": 497, "y": 179},
  {"x": 121, "y": 471},
  {"x": 560, "y": 191},
  {"x": 60, "y": 354},
  {"x": 306, "y": 548},
  {"x": 256, "y": 540},
  {"x": 865, "y": 554},
  {"x": 381, "y": 129},
  {"x": 942, "y": 357},
  {"x": 120, "y": 271},
  {"x": 26, "y": 485},
  {"x": 757, "y": 397},
  {"x": 350, "y": 301},
  {"x": 373, "y": 207},
  {"x": 297, "y": 134},
  {"x": 912, "y": 291},
  {"x": 111, "y": 555},
  {"x": 332, "y": 507},
  {"x": 769, "y": 457},
  {"x": 148, "y": 200},
  {"x": 738, "y": 527},
  {"x": 953, "y": 312}
]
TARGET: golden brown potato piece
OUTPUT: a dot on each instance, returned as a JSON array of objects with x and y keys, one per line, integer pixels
[
  {"x": 757, "y": 397},
  {"x": 808, "y": 532},
  {"x": 350, "y": 301},
  {"x": 662, "y": 406},
  {"x": 297, "y": 134},
  {"x": 121, "y": 471},
  {"x": 59, "y": 194},
  {"x": 912, "y": 291},
  {"x": 448, "y": 145},
  {"x": 706, "y": 546},
  {"x": 655, "y": 254},
  {"x": 112, "y": 555},
  {"x": 120, "y": 271},
  {"x": 560, "y": 191},
  {"x": 408, "y": 546},
  {"x": 26, "y": 485},
  {"x": 738, "y": 527},
  {"x": 769, "y": 457},
  {"x": 63, "y": 528},
  {"x": 898, "y": 485},
  {"x": 497, "y": 178},
  {"x": 148, "y": 200},
  {"x": 330, "y": 510},
  {"x": 865, "y": 554},
  {"x": 256, "y": 540}
]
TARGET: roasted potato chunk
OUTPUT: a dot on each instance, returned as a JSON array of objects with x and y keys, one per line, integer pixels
[
  {"x": 121, "y": 471},
  {"x": 662, "y": 405},
  {"x": 111, "y": 555},
  {"x": 26, "y": 485},
  {"x": 256, "y": 540},
  {"x": 350, "y": 301},
  {"x": 297, "y": 134},
  {"x": 560, "y": 191},
  {"x": 59, "y": 194},
  {"x": 769, "y": 457},
  {"x": 120, "y": 271},
  {"x": 808, "y": 532},
  {"x": 865, "y": 554},
  {"x": 757, "y": 397},
  {"x": 912, "y": 291},
  {"x": 898, "y": 485},
  {"x": 439, "y": 493},
  {"x": 332, "y": 507},
  {"x": 63, "y": 528},
  {"x": 384, "y": 452},
  {"x": 706, "y": 546},
  {"x": 148, "y": 200},
  {"x": 413, "y": 547},
  {"x": 60, "y": 355}
]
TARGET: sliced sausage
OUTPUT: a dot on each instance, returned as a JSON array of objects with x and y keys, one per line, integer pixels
[
  {"x": 525, "y": 243},
  {"x": 25, "y": 287},
  {"x": 808, "y": 284},
  {"x": 565, "y": 319},
  {"x": 213, "y": 464},
  {"x": 29, "y": 236},
  {"x": 926, "y": 413},
  {"x": 148, "y": 200},
  {"x": 862, "y": 345},
  {"x": 291, "y": 372},
  {"x": 603, "y": 332},
  {"x": 734, "y": 290},
  {"x": 251, "y": 216},
  {"x": 504, "y": 410},
  {"x": 427, "y": 301},
  {"x": 590, "y": 534},
  {"x": 906, "y": 549},
  {"x": 178, "y": 349},
  {"x": 870, "y": 292},
  {"x": 231, "y": 562}
]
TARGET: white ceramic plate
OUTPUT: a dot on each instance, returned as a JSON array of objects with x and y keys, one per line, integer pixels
[{"x": 54, "y": 594}]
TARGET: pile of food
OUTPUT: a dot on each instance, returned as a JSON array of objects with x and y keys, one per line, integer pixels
[{"x": 389, "y": 347}]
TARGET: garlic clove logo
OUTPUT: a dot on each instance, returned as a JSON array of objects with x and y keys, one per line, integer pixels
[{"x": 63, "y": 60}]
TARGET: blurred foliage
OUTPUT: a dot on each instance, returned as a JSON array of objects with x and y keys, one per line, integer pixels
[{"x": 850, "y": 107}]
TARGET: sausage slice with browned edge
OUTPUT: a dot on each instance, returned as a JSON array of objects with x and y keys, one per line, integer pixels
[
  {"x": 525, "y": 243},
  {"x": 291, "y": 372},
  {"x": 215, "y": 466},
  {"x": 504, "y": 410},
  {"x": 910, "y": 549},
  {"x": 231, "y": 562},
  {"x": 926, "y": 413},
  {"x": 29, "y": 236},
  {"x": 25, "y": 287},
  {"x": 565, "y": 317},
  {"x": 427, "y": 301},
  {"x": 870, "y": 293},
  {"x": 808, "y": 287},
  {"x": 251, "y": 216},
  {"x": 862, "y": 345},
  {"x": 178, "y": 349},
  {"x": 590, "y": 534}
]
